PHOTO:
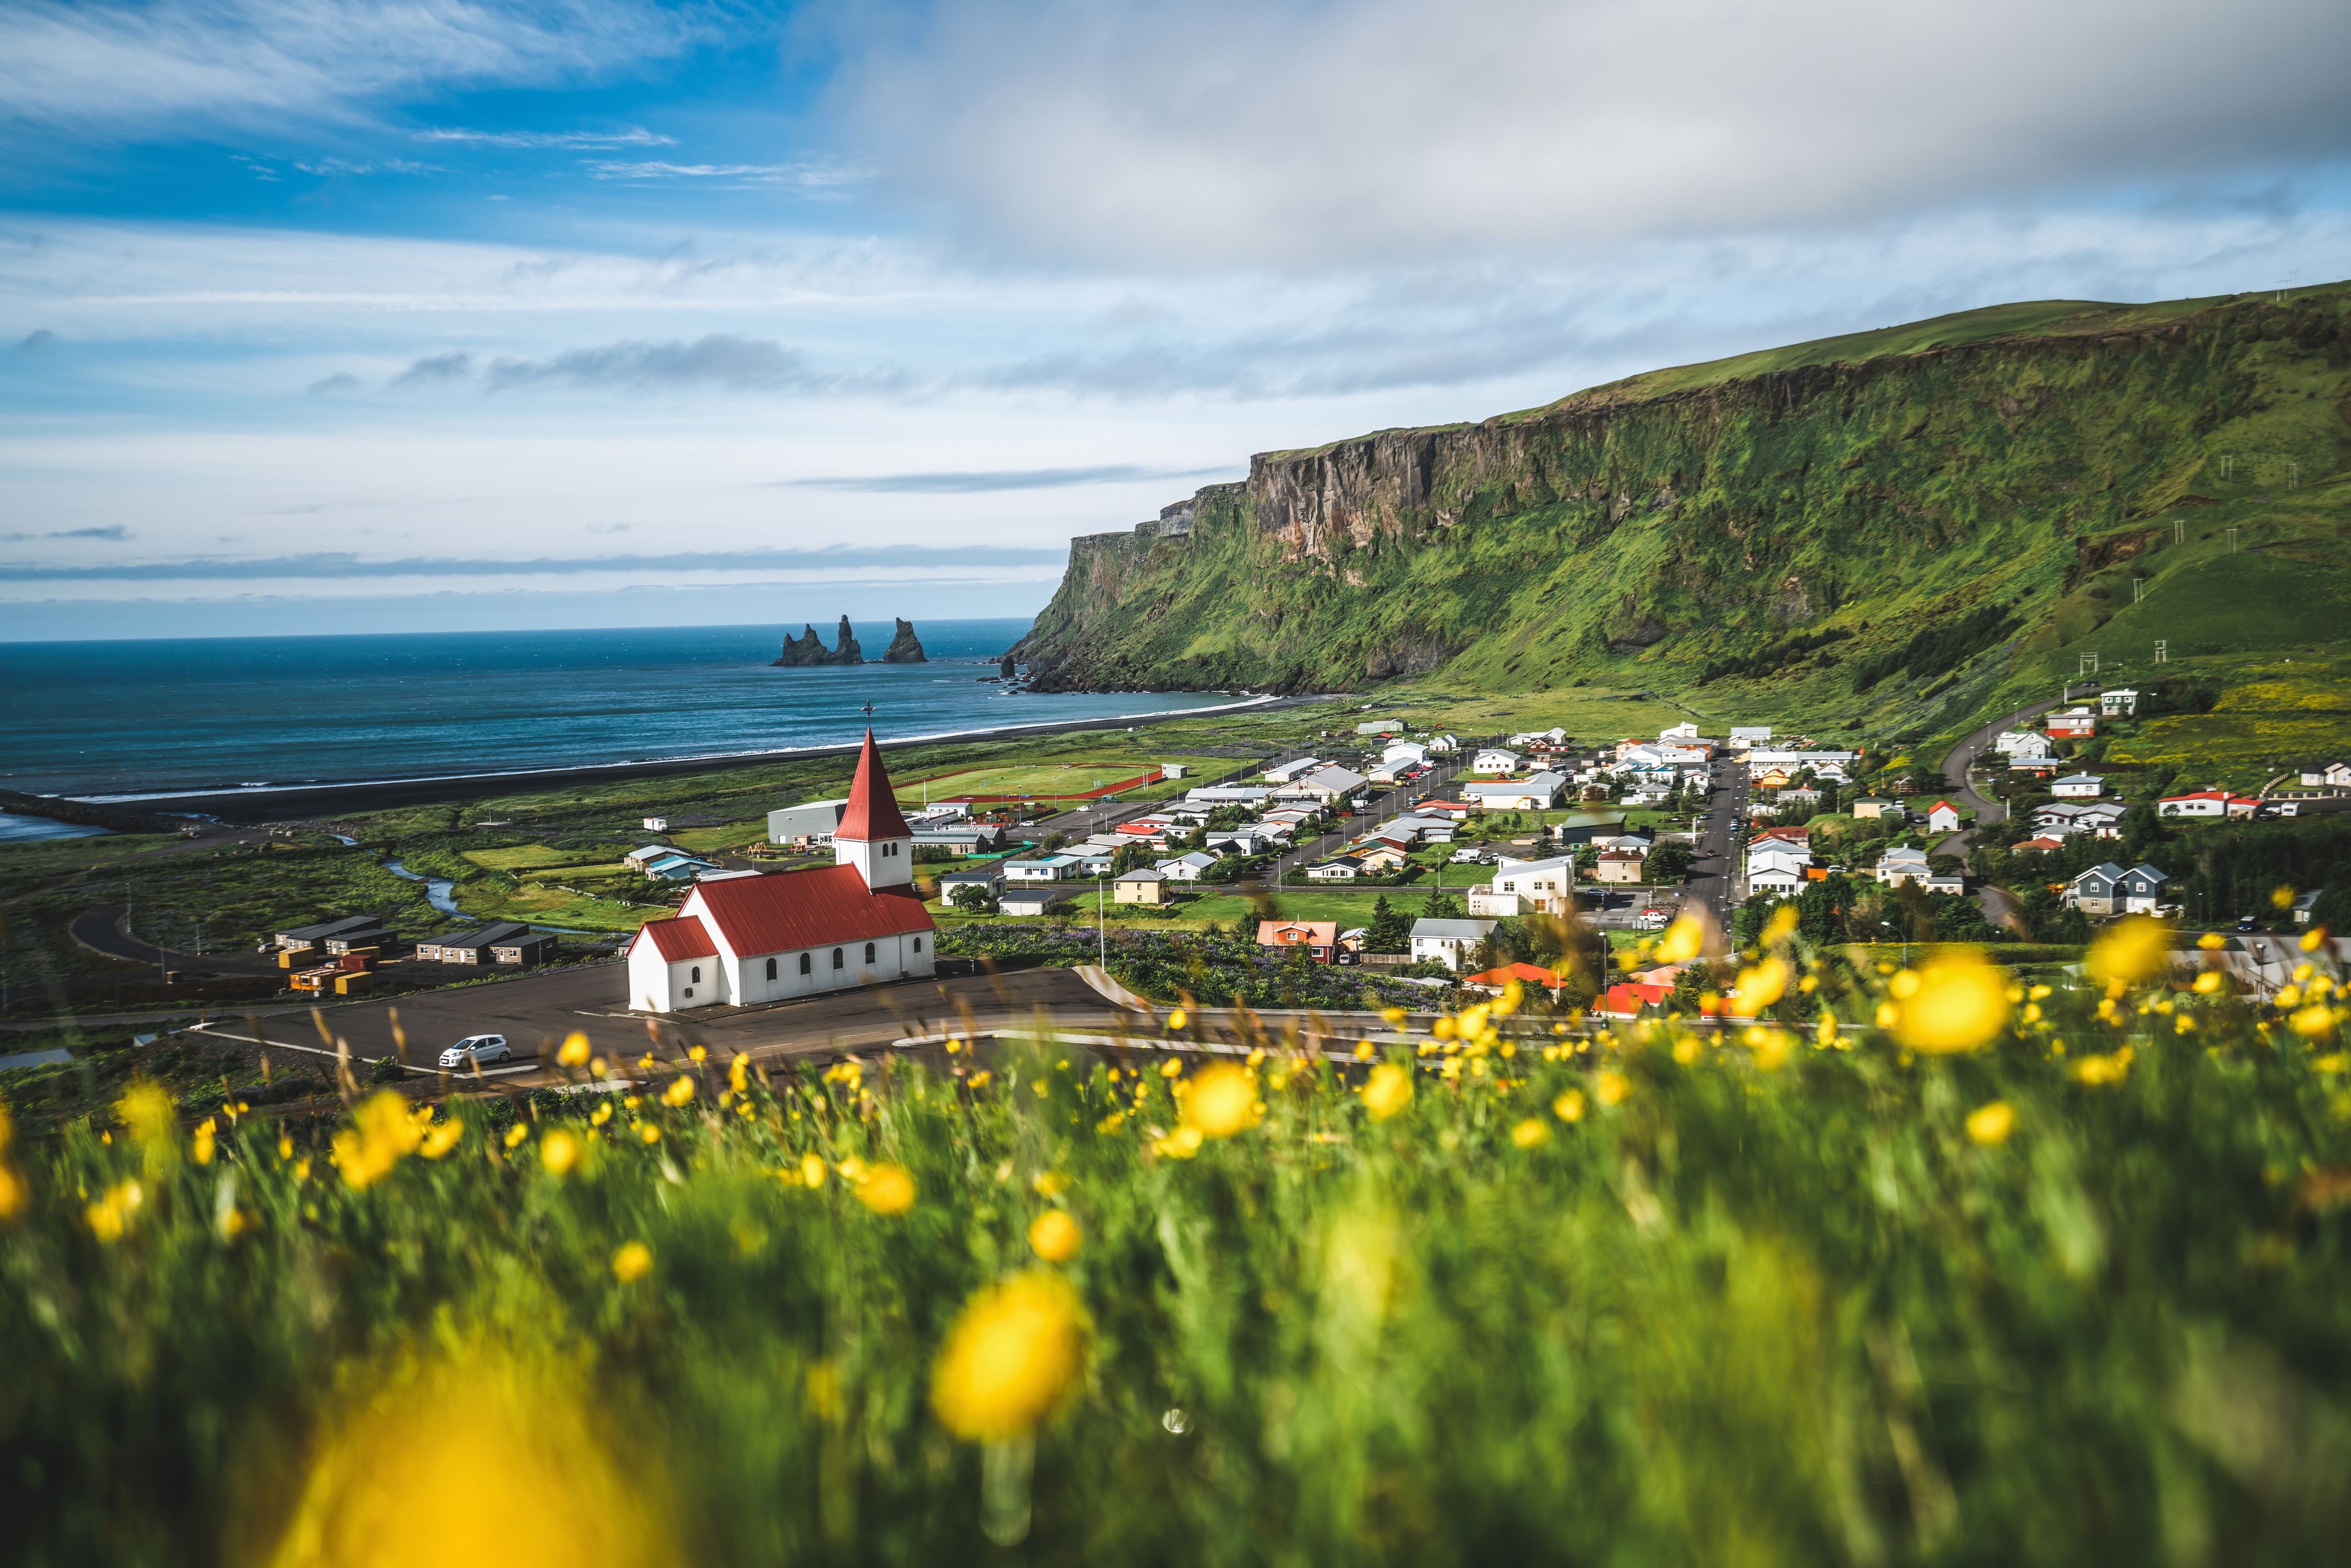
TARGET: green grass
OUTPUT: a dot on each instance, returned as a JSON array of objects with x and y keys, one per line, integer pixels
[{"x": 1749, "y": 1309}]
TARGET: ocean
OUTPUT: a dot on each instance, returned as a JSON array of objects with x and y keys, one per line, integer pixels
[{"x": 141, "y": 719}]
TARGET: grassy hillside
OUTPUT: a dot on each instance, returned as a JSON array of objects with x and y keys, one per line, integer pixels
[{"x": 1772, "y": 534}]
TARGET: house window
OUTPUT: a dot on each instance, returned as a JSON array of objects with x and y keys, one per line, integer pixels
[
  {"x": 869, "y": 951},
  {"x": 771, "y": 968},
  {"x": 836, "y": 958},
  {"x": 697, "y": 976},
  {"x": 804, "y": 962},
  {"x": 918, "y": 944}
]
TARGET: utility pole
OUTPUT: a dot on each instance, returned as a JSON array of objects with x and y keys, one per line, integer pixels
[{"x": 2162, "y": 651}]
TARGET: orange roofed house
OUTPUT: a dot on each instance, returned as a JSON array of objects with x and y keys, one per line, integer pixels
[
  {"x": 751, "y": 939},
  {"x": 1319, "y": 937}
]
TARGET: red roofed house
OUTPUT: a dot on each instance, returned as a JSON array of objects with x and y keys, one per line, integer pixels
[
  {"x": 1319, "y": 937},
  {"x": 1525, "y": 974},
  {"x": 749, "y": 939},
  {"x": 1942, "y": 816},
  {"x": 1798, "y": 835}
]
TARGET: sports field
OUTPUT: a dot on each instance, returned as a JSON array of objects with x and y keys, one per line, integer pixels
[{"x": 1081, "y": 779}]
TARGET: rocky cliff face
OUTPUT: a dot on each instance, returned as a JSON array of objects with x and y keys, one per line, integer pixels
[
  {"x": 1652, "y": 528},
  {"x": 807, "y": 648},
  {"x": 905, "y": 648}
]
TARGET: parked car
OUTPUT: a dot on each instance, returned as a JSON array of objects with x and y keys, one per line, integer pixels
[{"x": 482, "y": 1049}]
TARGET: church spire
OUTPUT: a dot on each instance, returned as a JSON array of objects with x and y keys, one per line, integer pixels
[{"x": 873, "y": 811}]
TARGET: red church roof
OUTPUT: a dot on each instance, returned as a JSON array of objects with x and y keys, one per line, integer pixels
[
  {"x": 873, "y": 810},
  {"x": 806, "y": 908},
  {"x": 678, "y": 940}
]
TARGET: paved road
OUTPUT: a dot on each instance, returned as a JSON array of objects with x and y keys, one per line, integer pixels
[
  {"x": 107, "y": 929},
  {"x": 536, "y": 1011},
  {"x": 1380, "y": 808},
  {"x": 2000, "y": 907},
  {"x": 1717, "y": 875}
]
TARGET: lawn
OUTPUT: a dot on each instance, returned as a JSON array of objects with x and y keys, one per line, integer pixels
[
  {"x": 1055, "y": 779},
  {"x": 1971, "y": 1286}
]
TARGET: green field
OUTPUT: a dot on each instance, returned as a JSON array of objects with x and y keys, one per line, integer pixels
[
  {"x": 1058, "y": 779},
  {"x": 1964, "y": 1289}
]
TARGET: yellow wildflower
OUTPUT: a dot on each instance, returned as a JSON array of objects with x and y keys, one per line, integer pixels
[
  {"x": 2315, "y": 1022},
  {"x": 1392, "y": 1016},
  {"x": 1051, "y": 1184},
  {"x": 2132, "y": 949},
  {"x": 573, "y": 1051},
  {"x": 383, "y": 1134},
  {"x": 1762, "y": 986},
  {"x": 2313, "y": 939},
  {"x": 205, "y": 1134},
  {"x": 680, "y": 1090},
  {"x": 1781, "y": 926},
  {"x": 2282, "y": 896},
  {"x": 440, "y": 1138},
  {"x": 1568, "y": 1106},
  {"x": 1011, "y": 1355},
  {"x": 1055, "y": 1236},
  {"x": 558, "y": 1152},
  {"x": 1387, "y": 1090},
  {"x": 1530, "y": 1134},
  {"x": 1177, "y": 1020},
  {"x": 813, "y": 1172},
  {"x": 887, "y": 1190},
  {"x": 516, "y": 1135},
  {"x": 1610, "y": 1087},
  {"x": 1991, "y": 1124},
  {"x": 2099, "y": 1070},
  {"x": 1220, "y": 1100},
  {"x": 110, "y": 1217},
  {"x": 1681, "y": 941},
  {"x": 1182, "y": 1144},
  {"x": 738, "y": 1074},
  {"x": 1956, "y": 1003},
  {"x": 633, "y": 1263}
]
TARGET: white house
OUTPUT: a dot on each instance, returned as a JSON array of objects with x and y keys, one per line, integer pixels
[
  {"x": 1328, "y": 785},
  {"x": 1547, "y": 885},
  {"x": 2120, "y": 703},
  {"x": 2078, "y": 787},
  {"x": 747, "y": 940},
  {"x": 1778, "y": 879},
  {"x": 1043, "y": 868},
  {"x": 1449, "y": 941},
  {"x": 2331, "y": 776},
  {"x": 2074, "y": 723},
  {"x": 1494, "y": 759},
  {"x": 1898, "y": 866},
  {"x": 2198, "y": 803},
  {"x": 1341, "y": 868},
  {"x": 1184, "y": 867},
  {"x": 1745, "y": 738},
  {"x": 2008, "y": 741},
  {"x": 1445, "y": 744},
  {"x": 1287, "y": 771},
  {"x": 1942, "y": 816},
  {"x": 1404, "y": 754},
  {"x": 1032, "y": 902},
  {"x": 1379, "y": 726},
  {"x": 1536, "y": 794}
]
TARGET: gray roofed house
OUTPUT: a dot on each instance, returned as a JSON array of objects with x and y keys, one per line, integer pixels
[
  {"x": 327, "y": 931},
  {"x": 1449, "y": 941},
  {"x": 2107, "y": 889},
  {"x": 473, "y": 946},
  {"x": 1186, "y": 867}
]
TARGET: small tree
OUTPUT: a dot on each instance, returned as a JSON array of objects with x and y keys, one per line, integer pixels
[
  {"x": 1389, "y": 931},
  {"x": 972, "y": 898}
]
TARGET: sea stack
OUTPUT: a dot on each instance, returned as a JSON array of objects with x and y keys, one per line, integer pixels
[
  {"x": 1007, "y": 669},
  {"x": 808, "y": 648},
  {"x": 905, "y": 648}
]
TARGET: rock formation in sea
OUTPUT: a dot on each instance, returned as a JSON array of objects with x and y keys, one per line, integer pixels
[
  {"x": 808, "y": 649},
  {"x": 905, "y": 648}
]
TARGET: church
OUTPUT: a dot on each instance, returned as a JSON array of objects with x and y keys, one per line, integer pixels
[{"x": 742, "y": 940}]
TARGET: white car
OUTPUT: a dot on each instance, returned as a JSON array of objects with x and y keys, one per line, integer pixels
[{"x": 481, "y": 1048}]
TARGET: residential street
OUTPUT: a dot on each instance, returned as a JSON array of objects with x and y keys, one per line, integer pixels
[
  {"x": 1715, "y": 876},
  {"x": 2000, "y": 907}
]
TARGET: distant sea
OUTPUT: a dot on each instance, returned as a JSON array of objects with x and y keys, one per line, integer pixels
[{"x": 196, "y": 716}]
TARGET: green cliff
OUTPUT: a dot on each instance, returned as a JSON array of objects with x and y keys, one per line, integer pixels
[{"x": 1865, "y": 520}]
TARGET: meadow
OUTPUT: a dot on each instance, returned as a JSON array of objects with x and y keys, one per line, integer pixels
[{"x": 1999, "y": 1274}]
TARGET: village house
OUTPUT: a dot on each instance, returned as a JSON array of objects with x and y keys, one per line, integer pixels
[
  {"x": 2328, "y": 776},
  {"x": 1772, "y": 780},
  {"x": 1327, "y": 785},
  {"x": 2041, "y": 845},
  {"x": 1539, "y": 793},
  {"x": 1339, "y": 868},
  {"x": 2120, "y": 703},
  {"x": 2207, "y": 803},
  {"x": 1618, "y": 867},
  {"x": 1543, "y": 887},
  {"x": 502, "y": 942},
  {"x": 1445, "y": 744},
  {"x": 2074, "y": 723},
  {"x": 1896, "y": 866},
  {"x": 1318, "y": 938},
  {"x": 1032, "y": 902},
  {"x": 1871, "y": 806},
  {"x": 809, "y": 822},
  {"x": 1494, "y": 759},
  {"x": 1379, "y": 726},
  {"x": 1942, "y": 816},
  {"x": 1495, "y": 981},
  {"x": 987, "y": 879},
  {"x": 1041, "y": 868},
  {"x": 1185, "y": 867},
  {"x": 1141, "y": 886},
  {"x": 2107, "y": 889},
  {"x": 2078, "y": 787},
  {"x": 753, "y": 939},
  {"x": 1449, "y": 941}
]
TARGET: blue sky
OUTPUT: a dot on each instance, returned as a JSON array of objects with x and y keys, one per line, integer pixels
[{"x": 341, "y": 315}]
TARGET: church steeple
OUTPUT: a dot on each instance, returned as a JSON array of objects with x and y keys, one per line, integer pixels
[{"x": 872, "y": 835}]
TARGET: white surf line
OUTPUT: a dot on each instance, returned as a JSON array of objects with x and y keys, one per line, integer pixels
[{"x": 783, "y": 753}]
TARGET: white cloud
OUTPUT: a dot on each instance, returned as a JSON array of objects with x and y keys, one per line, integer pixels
[
  {"x": 584, "y": 140},
  {"x": 110, "y": 67},
  {"x": 1222, "y": 132}
]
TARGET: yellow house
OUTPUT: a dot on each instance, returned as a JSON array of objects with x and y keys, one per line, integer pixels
[
  {"x": 1774, "y": 779},
  {"x": 1141, "y": 885}
]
